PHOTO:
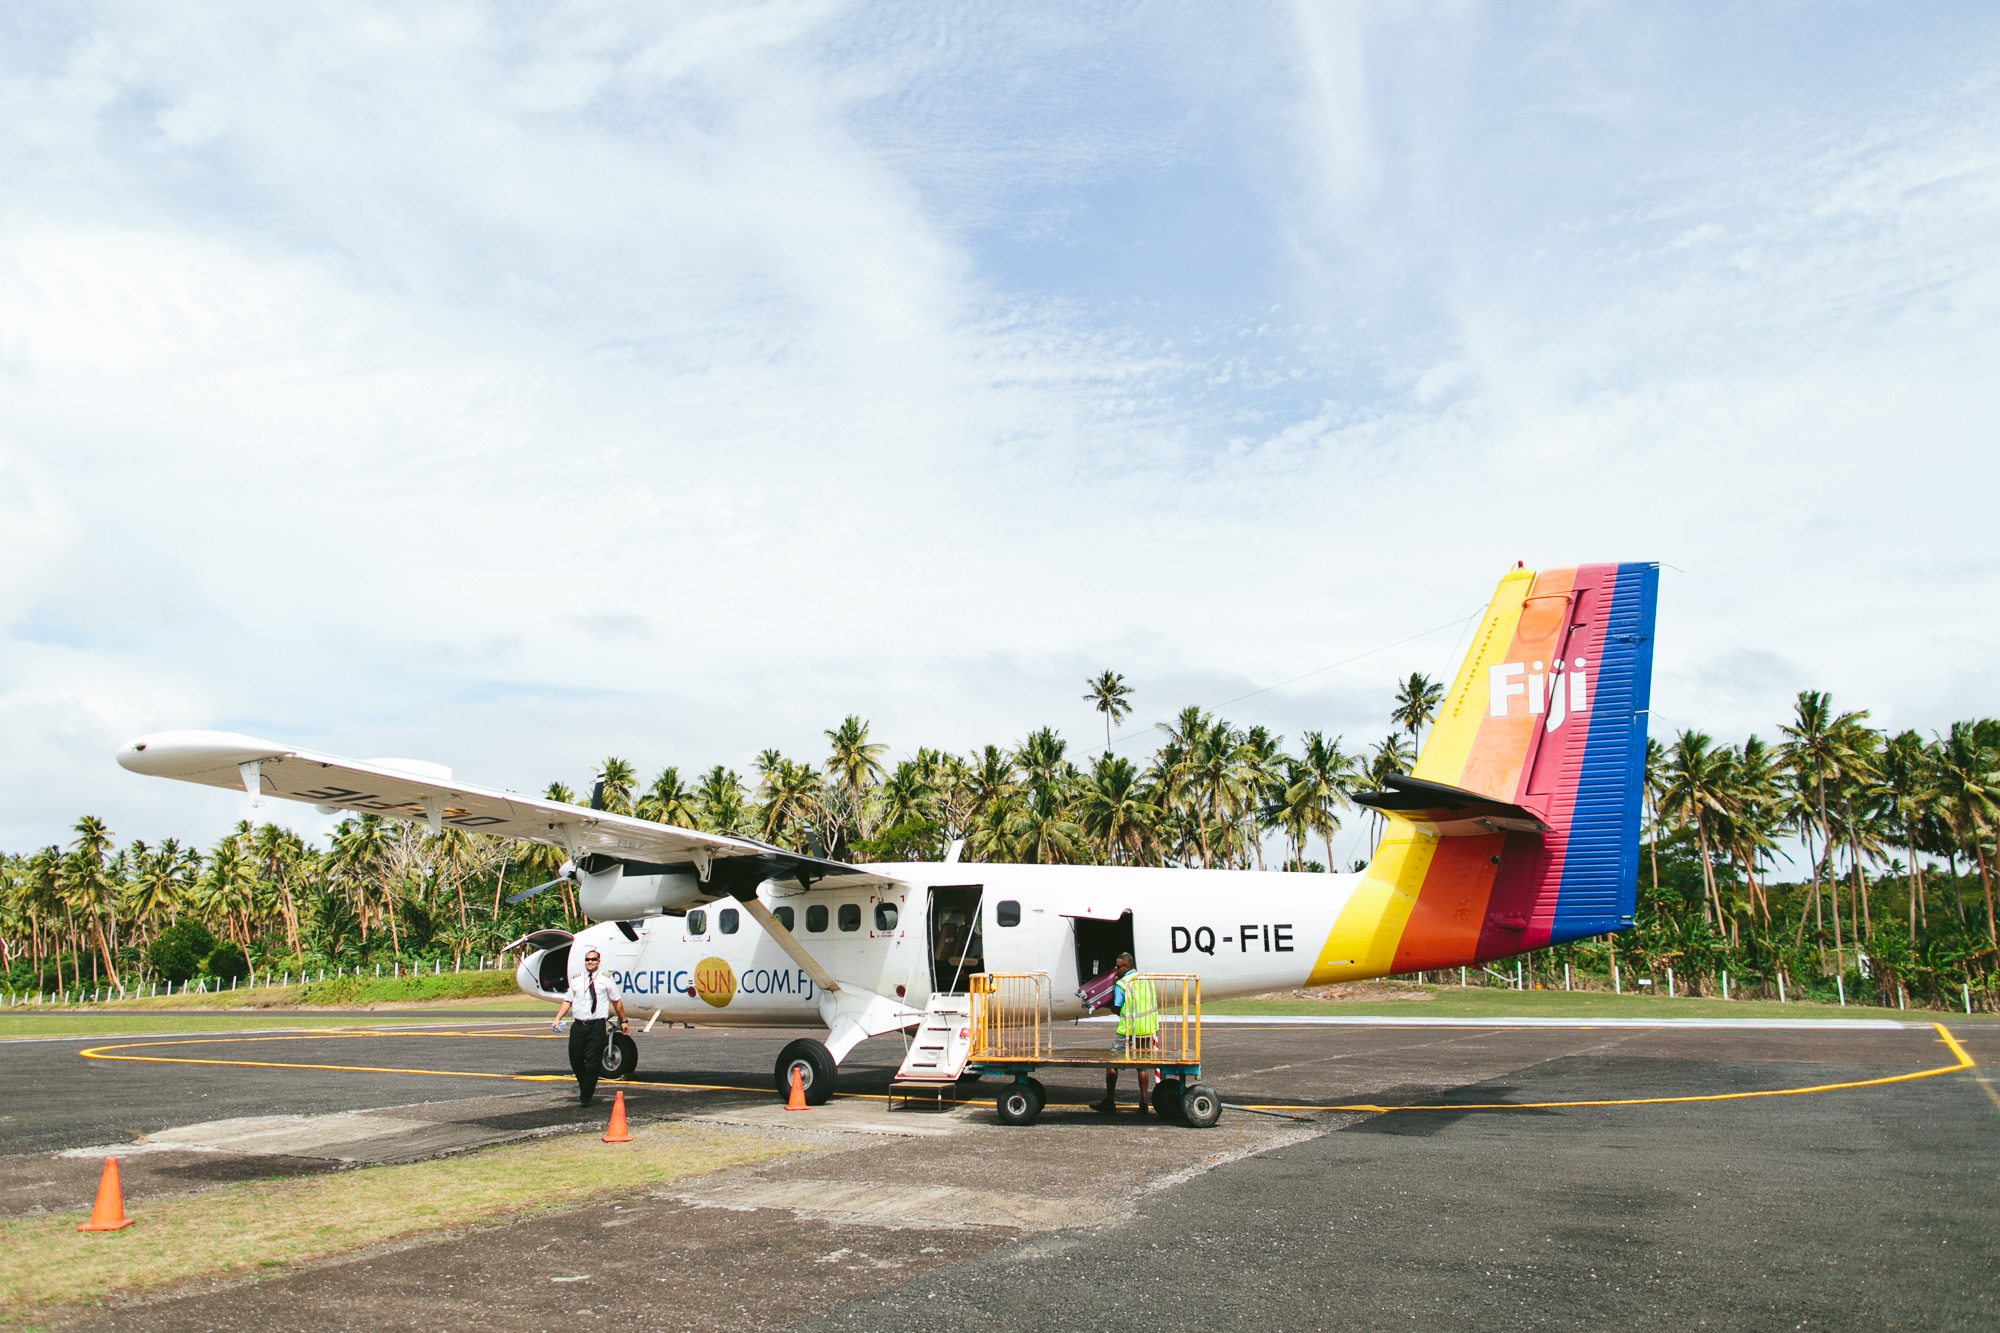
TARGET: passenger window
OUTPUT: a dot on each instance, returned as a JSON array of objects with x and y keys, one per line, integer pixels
[
  {"x": 850, "y": 916},
  {"x": 784, "y": 915},
  {"x": 885, "y": 916},
  {"x": 1007, "y": 912},
  {"x": 697, "y": 923},
  {"x": 726, "y": 920},
  {"x": 816, "y": 917}
]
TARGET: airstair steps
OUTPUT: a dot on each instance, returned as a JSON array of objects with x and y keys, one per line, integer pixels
[{"x": 943, "y": 1042}]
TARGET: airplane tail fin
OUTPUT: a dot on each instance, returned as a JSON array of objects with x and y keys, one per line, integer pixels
[{"x": 1520, "y": 826}]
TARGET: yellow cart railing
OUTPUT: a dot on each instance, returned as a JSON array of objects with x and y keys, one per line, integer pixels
[{"x": 1012, "y": 1021}]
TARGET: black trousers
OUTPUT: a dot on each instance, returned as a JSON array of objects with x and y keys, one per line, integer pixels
[{"x": 586, "y": 1055}]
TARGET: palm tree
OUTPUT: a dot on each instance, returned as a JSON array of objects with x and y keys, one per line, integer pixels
[
  {"x": 1417, "y": 701},
  {"x": 791, "y": 803},
  {"x": 1908, "y": 793},
  {"x": 229, "y": 888},
  {"x": 1107, "y": 692},
  {"x": 854, "y": 760},
  {"x": 1814, "y": 752},
  {"x": 1261, "y": 769},
  {"x": 905, "y": 796},
  {"x": 155, "y": 892},
  {"x": 1391, "y": 758},
  {"x": 1969, "y": 787},
  {"x": 1859, "y": 774},
  {"x": 855, "y": 766},
  {"x": 1752, "y": 802},
  {"x": 277, "y": 852},
  {"x": 89, "y": 888},
  {"x": 991, "y": 779},
  {"x": 618, "y": 779},
  {"x": 1042, "y": 832},
  {"x": 42, "y": 895},
  {"x": 1113, "y": 810},
  {"x": 1040, "y": 759},
  {"x": 719, "y": 801},
  {"x": 1698, "y": 777},
  {"x": 359, "y": 860},
  {"x": 668, "y": 802},
  {"x": 1653, "y": 784},
  {"x": 1324, "y": 778}
]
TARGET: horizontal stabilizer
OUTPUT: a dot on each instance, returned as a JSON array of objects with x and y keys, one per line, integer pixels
[{"x": 1448, "y": 812}]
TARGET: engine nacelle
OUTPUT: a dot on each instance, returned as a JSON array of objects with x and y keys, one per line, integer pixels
[{"x": 612, "y": 895}]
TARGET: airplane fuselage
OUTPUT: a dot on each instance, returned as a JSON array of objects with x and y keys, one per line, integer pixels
[{"x": 1242, "y": 932}]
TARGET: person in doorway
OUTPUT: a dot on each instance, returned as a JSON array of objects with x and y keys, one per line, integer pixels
[
  {"x": 593, "y": 998},
  {"x": 1138, "y": 1006}
]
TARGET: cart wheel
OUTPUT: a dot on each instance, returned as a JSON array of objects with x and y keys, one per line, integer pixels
[
  {"x": 1041, "y": 1093},
  {"x": 815, "y": 1066},
  {"x": 1017, "y": 1104},
  {"x": 1201, "y": 1106},
  {"x": 1167, "y": 1099}
]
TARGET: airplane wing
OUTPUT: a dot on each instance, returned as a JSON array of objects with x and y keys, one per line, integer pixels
[{"x": 402, "y": 789}]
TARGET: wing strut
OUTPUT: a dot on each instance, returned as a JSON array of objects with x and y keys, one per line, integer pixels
[{"x": 776, "y": 929}]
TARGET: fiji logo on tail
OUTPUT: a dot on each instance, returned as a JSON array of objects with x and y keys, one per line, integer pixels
[{"x": 1553, "y": 694}]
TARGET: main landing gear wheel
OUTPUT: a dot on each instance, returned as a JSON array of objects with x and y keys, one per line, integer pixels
[
  {"x": 1167, "y": 1098},
  {"x": 620, "y": 1058},
  {"x": 1201, "y": 1106},
  {"x": 1019, "y": 1103},
  {"x": 815, "y": 1065}
]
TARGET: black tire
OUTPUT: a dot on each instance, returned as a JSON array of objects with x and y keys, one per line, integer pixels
[
  {"x": 1201, "y": 1106},
  {"x": 620, "y": 1058},
  {"x": 1041, "y": 1093},
  {"x": 816, "y": 1070},
  {"x": 1017, "y": 1104},
  {"x": 1167, "y": 1099}
]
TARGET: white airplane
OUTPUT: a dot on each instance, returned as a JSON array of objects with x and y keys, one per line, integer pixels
[{"x": 1518, "y": 829}]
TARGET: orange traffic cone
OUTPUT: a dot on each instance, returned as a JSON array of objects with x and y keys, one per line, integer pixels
[
  {"x": 797, "y": 1101},
  {"x": 618, "y": 1134},
  {"x": 109, "y": 1213}
]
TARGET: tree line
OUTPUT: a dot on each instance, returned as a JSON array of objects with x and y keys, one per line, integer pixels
[{"x": 1890, "y": 899}]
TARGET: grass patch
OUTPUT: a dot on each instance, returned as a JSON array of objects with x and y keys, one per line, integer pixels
[
  {"x": 124, "y": 1023},
  {"x": 338, "y": 991},
  {"x": 262, "y": 1227},
  {"x": 1492, "y": 1002},
  {"x": 262, "y": 1006}
]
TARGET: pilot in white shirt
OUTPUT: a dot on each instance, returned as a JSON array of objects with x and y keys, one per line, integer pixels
[{"x": 593, "y": 996}]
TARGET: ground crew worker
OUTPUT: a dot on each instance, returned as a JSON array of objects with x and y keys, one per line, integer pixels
[
  {"x": 593, "y": 997},
  {"x": 1138, "y": 1006}
]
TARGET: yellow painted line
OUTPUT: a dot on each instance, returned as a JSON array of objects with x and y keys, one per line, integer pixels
[
  {"x": 1965, "y": 1062},
  {"x": 106, "y": 1053}
]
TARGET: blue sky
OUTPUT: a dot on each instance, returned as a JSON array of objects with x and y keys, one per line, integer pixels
[{"x": 512, "y": 385}]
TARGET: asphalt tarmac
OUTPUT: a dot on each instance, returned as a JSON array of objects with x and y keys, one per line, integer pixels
[{"x": 1865, "y": 1207}]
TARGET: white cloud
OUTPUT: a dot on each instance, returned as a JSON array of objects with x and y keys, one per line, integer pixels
[{"x": 511, "y": 387}]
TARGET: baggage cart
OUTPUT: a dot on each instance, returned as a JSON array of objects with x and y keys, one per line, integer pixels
[{"x": 1014, "y": 1033}]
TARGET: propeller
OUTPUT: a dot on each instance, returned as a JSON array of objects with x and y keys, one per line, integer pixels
[{"x": 566, "y": 875}]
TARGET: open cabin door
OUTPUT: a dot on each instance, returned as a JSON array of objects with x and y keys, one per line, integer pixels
[
  {"x": 957, "y": 940},
  {"x": 1099, "y": 941}
]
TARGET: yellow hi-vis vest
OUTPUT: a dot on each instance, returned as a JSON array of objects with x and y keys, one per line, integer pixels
[{"x": 1141, "y": 1015}]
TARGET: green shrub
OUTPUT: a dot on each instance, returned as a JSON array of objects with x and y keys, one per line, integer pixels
[
  {"x": 178, "y": 952},
  {"x": 227, "y": 962}
]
